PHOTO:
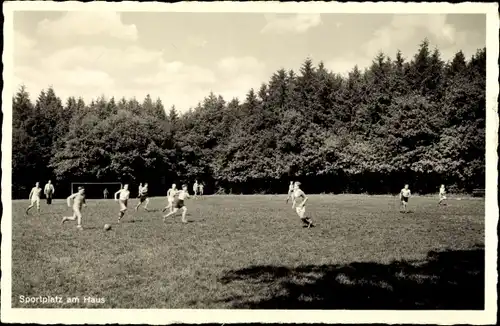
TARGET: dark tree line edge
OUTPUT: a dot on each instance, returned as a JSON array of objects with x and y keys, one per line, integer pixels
[{"x": 419, "y": 121}]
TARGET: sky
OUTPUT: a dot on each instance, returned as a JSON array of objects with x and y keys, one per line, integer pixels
[{"x": 182, "y": 57}]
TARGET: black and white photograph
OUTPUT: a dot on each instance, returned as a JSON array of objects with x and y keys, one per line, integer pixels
[{"x": 249, "y": 162}]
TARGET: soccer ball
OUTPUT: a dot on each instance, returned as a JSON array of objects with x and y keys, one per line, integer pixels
[{"x": 107, "y": 227}]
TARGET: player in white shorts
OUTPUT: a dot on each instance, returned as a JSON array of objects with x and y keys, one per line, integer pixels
[
  {"x": 404, "y": 196},
  {"x": 78, "y": 203},
  {"x": 442, "y": 195},
  {"x": 123, "y": 200},
  {"x": 34, "y": 198},
  {"x": 171, "y": 193},
  {"x": 179, "y": 204},
  {"x": 200, "y": 188},
  {"x": 139, "y": 191},
  {"x": 300, "y": 199},
  {"x": 290, "y": 191},
  {"x": 195, "y": 188}
]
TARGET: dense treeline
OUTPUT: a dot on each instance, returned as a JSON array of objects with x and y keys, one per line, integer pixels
[{"x": 420, "y": 121}]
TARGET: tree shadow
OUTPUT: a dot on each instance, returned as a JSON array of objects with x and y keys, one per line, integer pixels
[{"x": 444, "y": 280}]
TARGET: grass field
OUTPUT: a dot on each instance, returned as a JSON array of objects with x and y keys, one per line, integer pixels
[{"x": 251, "y": 252}]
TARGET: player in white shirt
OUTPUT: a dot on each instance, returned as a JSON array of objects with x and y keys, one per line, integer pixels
[
  {"x": 442, "y": 195},
  {"x": 171, "y": 193},
  {"x": 143, "y": 197},
  {"x": 195, "y": 188},
  {"x": 139, "y": 190},
  {"x": 300, "y": 197},
  {"x": 78, "y": 203},
  {"x": 34, "y": 198},
  {"x": 290, "y": 191},
  {"x": 179, "y": 204},
  {"x": 123, "y": 200},
  {"x": 404, "y": 196},
  {"x": 49, "y": 192}
]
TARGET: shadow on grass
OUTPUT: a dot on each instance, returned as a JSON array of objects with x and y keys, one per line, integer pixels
[
  {"x": 444, "y": 280},
  {"x": 134, "y": 221},
  {"x": 197, "y": 220},
  {"x": 91, "y": 227}
]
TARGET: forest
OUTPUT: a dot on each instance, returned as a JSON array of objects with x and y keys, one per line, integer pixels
[{"x": 419, "y": 121}]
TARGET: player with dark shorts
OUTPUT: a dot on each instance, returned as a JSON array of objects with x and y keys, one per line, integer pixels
[
  {"x": 179, "y": 204},
  {"x": 143, "y": 198},
  {"x": 404, "y": 195}
]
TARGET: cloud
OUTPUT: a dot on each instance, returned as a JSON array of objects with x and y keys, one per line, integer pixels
[
  {"x": 100, "y": 57},
  {"x": 24, "y": 47},
  {"x": 180, "y": 75},
  {"x": 299, "y": 23},
  {"x": 80, "y": 77},
  {"x": 77, "y": 78},
  {"x": 22, "y": 43},
  {"x": 404, "y": 30},
  {"x": 344, "y": 65},
  {"x": 239, "y": 87},
  {"x": 238, "y": 75},
  {"x": 89, "y": 71},
  {"x": 231, "y": 66},
  {"x": 88, "y": 23},
  {"x": 197, "y": 42}
]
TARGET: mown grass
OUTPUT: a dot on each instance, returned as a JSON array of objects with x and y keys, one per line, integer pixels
[{"x": 252, "y": 252}]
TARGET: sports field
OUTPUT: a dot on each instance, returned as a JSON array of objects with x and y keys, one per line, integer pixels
[{"x": 252, "y": 252}]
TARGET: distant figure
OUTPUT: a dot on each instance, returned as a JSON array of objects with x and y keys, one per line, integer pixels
[
  {"x": 290, "y": 192},
  {"x": 123, "y": 200},
  {"x": 78, "y": 202},
  {"x": 195, "y": 188},
  {"x": 143, "y": 198},
  {"x": 301, "y": 207},
  {"x": 201, "y": 186},
  {"x": 404, "y": 196},
  {"x": 105, "y": 193},
  {"x": 179, "y": 204},
  {"x": 139, "y": 190},
  {"x": 49, "y": 192},
  {"x": 171, "y": 193},
  {"x": 34, "y": 198},
  {"x": 442, "y": 195}
]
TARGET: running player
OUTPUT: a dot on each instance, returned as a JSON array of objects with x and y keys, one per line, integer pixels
[
  {"x": 290, "y": 191},
  {"x": 179, "y": 204},
  {"x": 442, "y": 195},
  {"x": 195, "y": 188},
  {"x": 139, "y": 190},
  {"x": 124, "y": 196},
  {"x": 34, "y": 198},
  {"x": 78, "y": 202},
  {"x": 301, "y": 207},
  {"x": 143, "y": 198},
  {"x": 171, "y": 193},
  {"x": 404, "y": 195}
]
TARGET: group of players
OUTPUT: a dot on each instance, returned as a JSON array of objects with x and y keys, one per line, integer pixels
[
  {"x": 405, "y": 194},
  {"x": 176, "y": 200}
]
